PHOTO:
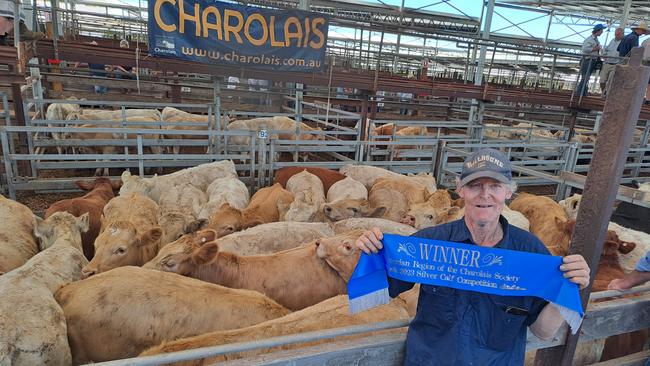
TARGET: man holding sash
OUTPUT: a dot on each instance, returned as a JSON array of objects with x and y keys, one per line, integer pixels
[{"x": 462, "y": 327}]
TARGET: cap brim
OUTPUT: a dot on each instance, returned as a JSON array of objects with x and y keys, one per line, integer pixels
[{"x": 484, "y": 174}]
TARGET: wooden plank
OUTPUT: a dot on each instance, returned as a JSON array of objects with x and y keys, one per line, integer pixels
[
  {"x": 115, "y": 83},
  {"x": 627, "y": 194},
  {"x": 636, "y": 359},
  {"x": 616, "y": 316}
]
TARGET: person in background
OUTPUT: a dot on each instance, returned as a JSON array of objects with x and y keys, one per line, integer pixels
[
  {"x": 590, "y": 49},
  {"x": 639, "y": 276},
  {"x": 610, "y": 62},
  {"x": 99, "y": 72},
  {"x": 632, "y": 40},
  {"x": 125, "y": 72}
]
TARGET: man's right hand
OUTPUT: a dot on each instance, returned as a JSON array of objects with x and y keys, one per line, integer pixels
[
  {"x": 370, "y": 241},
  {"x": 597, "y": 48}
]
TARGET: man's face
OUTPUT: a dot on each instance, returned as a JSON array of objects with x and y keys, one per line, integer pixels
[
  {"x": 484, "y": 198},
  {"x": 598, "y": 33},
  {"x": 618, "y": 33}
]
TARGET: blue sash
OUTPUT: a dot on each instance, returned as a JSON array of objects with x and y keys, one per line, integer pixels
[{"x": 464, "y": 267}]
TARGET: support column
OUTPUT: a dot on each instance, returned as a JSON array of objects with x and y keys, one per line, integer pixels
[
  {"x": 541, "y": 58},
  {"x": 478, "y": 78},
  {"x": 17, "y": 24},
  {"x": 399, "y": 37},
  {"x": 626, "y": 13},
  {"x": 302, "y": 5}
]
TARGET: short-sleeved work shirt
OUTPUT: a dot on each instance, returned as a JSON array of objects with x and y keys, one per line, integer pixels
[{"x": 458, "y": 327}]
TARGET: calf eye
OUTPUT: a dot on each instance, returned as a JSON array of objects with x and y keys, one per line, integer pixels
[
  {"x": 120, "y": 251},
  {"x": 429, "y": 217},
  {"x": 354, "y": 209},
  {"x": 168, "y": 264}
]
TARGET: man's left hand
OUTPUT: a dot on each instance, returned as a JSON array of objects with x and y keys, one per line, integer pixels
[{"x": 575, "y": 268}]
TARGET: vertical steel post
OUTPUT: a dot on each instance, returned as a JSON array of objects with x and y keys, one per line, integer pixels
[
  {"x": 16, "y": 23},
  {"x": 626, "y": 13},
  {"x": 478, "y": 78},
  {"x": 399, "y": 37},
  {"x": 620, "y": 116},
  {"x": 55, "y": 27}
]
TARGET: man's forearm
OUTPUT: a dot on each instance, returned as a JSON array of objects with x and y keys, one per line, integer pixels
[
  {"x": 547, "y": 323},
  {"x": 636, "y": 278}
]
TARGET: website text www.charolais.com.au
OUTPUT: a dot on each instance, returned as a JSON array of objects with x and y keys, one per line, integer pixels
[{"x": 246, "y": 59}]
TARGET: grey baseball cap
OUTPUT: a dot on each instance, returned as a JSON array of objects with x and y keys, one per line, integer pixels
[{"x": 486, "y": 163}]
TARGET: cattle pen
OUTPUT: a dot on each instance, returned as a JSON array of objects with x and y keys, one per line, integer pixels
[{"x": 201, "y": 122}]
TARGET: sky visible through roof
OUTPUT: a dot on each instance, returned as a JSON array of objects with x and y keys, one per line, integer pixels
[{"x": 530, "y": 23}]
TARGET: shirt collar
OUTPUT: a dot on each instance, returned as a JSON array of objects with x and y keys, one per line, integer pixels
[{"x": 460, "y": 232}]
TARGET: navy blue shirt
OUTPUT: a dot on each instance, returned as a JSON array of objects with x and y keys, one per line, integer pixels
[
  {"x": 458, "y": 327},
  {"x": 627, "y": 44}
]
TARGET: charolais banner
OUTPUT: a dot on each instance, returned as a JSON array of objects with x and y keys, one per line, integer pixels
[
  {"x": 464, "y": 267},
  {"x": 217, "y": 32}
]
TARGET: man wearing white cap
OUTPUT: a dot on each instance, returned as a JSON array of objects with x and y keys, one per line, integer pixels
[{"x": 460, "y": 327}]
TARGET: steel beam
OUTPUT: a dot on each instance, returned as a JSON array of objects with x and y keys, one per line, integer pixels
[{"x": 620, "y": 117}]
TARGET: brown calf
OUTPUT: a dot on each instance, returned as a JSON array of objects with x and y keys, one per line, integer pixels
[{"x": 100, "y": 192}]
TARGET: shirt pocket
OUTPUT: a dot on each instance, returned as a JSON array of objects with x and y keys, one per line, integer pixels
[
  {"x": 437, "y": 307},
  {"x": 507, "y": 319}
]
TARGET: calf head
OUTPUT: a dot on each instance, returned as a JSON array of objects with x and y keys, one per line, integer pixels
[
  {"x": 179, "y": 256},
  {"x": 60, "y": 225},
  {"x": 450, "y": 214},
  {"x": 348, "y": 208},
  {"x": 134, "y": 183},
  {"x": 340, "y": 252},
  {"x": 120, "y": 244},
  {"x": 304, "y": 208},
  {"x": 102, "y": 182},
  {"x": 226, "y": 220},
  {"x": 422, "y": 215},
  {"x": 175, "y": 224},
  {"x": 571, "y": 205}
]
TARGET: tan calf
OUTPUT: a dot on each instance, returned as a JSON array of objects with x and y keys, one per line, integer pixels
[
  {"x": 122, "y": 312},
  {"x": 367, "y": 174},
  {"x": 273, "y": 237},
  {"x": 396, "y": 195},
  {"x": 425, "y": 214},
  {"x": 32, "y": 326},
  {"x": 199, "y": 176},
  {"x": 329, "y": 314},
  {"x": 366, "y": 223},
  {"x": 309, "y": 196},
  {"x": 17, "y": 241},
  {"x": 295, "y": 278},
  {"x": 263, "y": 208},
  {"x": 548, "y": 221},
  {"x": 225, "y": 190},
  {"x": 130, "y": 234}
]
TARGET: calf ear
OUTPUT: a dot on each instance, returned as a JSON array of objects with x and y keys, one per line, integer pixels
[
  {"x": 116, "y": 184},
  {"x": 84, "y": 185},
  {"x": 125, "y": 176},
  {"x": 625, "y": 247},
  {"x": 205, "y": 254},
  {"x": 151, "y": 237},
  {"x": 83, "y": 222},
  {"x": 41, "y": 228},
  {"x": 205, "y": 236}
]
